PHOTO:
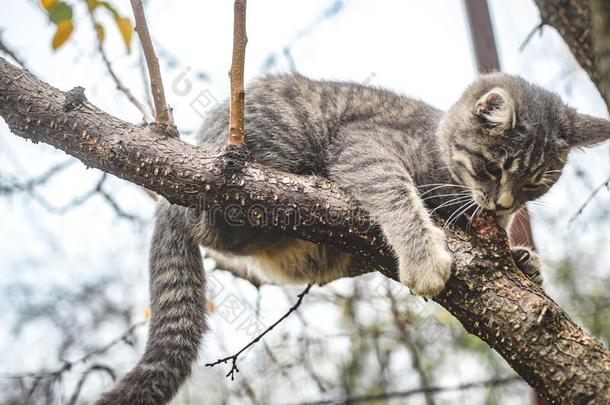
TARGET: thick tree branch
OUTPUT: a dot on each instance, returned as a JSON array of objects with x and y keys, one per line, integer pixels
[
  {"x": 573, "y": 20},
  {"x": 601, "y": 43},
  {"x": 486, "y": 293}
]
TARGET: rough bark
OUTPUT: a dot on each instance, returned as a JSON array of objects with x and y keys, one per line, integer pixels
[
  {"x": 587, "y": 37},
  {"x": 486, "y": 293},
  {"x": 236, "y": 74}
]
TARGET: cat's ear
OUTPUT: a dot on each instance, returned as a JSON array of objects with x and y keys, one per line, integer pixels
[
  {"x": 587, "y": 131},
  {"x": 496, "y": 109}
]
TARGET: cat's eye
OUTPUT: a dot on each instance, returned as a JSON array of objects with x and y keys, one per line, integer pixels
[
  {"x": 493, "y": 169},
  {"x": 531, "y": 187}
]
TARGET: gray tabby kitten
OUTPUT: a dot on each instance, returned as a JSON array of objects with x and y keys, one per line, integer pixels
[{"x": 502, "y": 144}]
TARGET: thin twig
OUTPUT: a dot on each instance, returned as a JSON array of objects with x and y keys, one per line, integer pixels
[
  {"x": 7, "y": 50},
  {"x": 85, "y": 376},
  {"x": 537, "y": 29},
  {"x": 405, "y": 337},
  {"x": 605, "y": 184},
  {"x": 98, "y": 189},
  {"x": 236, "y": 74},
  {"x": 162, "y": 112},
  {"x": 117, "y": 81},
  {"x": 68, "y": 365},
  {"x": 234, "y": 357},
  {"x": 30, "y": 185},
  {"x": 403, "y": 394}
]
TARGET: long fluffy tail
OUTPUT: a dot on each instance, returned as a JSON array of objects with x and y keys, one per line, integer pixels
[{"x": 178, "y": 320}]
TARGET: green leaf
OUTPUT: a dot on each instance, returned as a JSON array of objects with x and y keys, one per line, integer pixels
[{"x": 60, "y": 12}]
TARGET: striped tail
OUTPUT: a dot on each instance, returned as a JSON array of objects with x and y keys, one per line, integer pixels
[{"x": 178, "y": 320}]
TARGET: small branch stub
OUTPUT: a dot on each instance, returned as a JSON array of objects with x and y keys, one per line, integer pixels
[
  {"x": 74, "y": 98},
  {"x": 236, "y": 74}
]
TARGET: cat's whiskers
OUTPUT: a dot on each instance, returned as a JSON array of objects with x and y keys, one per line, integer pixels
[
  {"x": 541, "y": 204},
  {"x": 440, "y": 186},
  {"x": 460, "y": 200},
  {"x": 472, "y": 217},
  {"x": 464, "y": 193},
  {"x": 458, "y": 213}
]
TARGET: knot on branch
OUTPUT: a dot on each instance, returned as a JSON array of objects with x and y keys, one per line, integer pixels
[
  {"x": 74, "y": 98},
  {"x": 233, "y": 158},
  {"x": 165, "y": 128}
]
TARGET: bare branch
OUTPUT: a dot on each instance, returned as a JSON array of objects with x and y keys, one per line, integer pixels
[
  {"x": 81, "y": 382},
  {"x": 163, "y": 114},
  {"x": 238, "y": 94},
  {"x": 234, "y": 357},
  {"x": 29, "y": 187},
  {"x": 13, "y": 186},
  {"x": 117, "y": 81},
  {"x": 8, "y": 51},
  {"x": 407, "y": 340},
  {"x": 605, "y": 184},
  {"x": 69, "y": 365},
  {"x": 537, "y": 29},
  {"x": 423, "y": 390}
]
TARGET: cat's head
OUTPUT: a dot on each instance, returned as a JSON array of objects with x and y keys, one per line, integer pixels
[{"x": 507, "y": 140}]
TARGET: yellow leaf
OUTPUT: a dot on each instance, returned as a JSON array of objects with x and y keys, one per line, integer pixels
[
  {"x": 126, "y": 29},
  {"x": 92, "y": 4},
  {"x": 147, "y": 313},
  {"x": 47, "y": 4},
  {"x": 64, "y": 29},
  {"x": 99, "y": 29}
]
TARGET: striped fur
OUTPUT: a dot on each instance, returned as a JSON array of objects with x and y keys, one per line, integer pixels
[
  {"x": 178, "y": 307},
  {"x": 502, "y": 144}
]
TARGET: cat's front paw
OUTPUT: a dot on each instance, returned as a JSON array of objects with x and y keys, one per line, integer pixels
[
  {"x": 427, "y": 271},
  {"x": 528, "y": 262}
]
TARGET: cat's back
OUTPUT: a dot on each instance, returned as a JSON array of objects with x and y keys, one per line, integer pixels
[{"x": 290, "y": 119}]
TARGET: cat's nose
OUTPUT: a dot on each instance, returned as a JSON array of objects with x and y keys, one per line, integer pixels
[
  {"x": 505, "y": 201},
  {"x": 500, "y": 207}
]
